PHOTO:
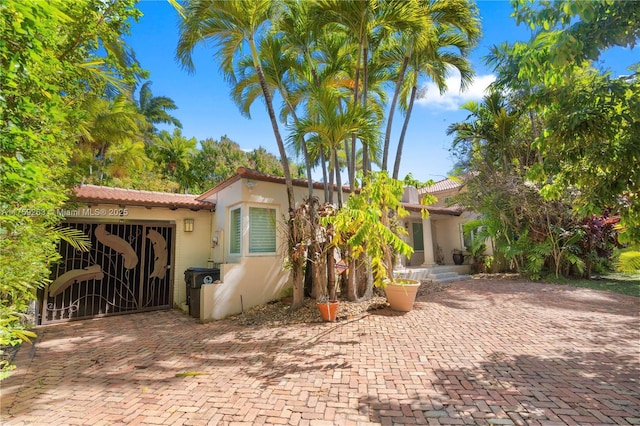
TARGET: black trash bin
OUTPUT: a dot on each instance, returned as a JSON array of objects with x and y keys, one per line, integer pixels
[{"x": 194, "y": 278}]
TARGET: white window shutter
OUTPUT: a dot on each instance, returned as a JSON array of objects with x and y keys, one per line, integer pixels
[{"x": 262, "y": 230}]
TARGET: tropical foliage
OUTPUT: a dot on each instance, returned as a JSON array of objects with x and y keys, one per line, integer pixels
[
  {"x": 57, "y": 57},
  {"x": 551, "y": 154},
  {"x": 369, "y": 223}
]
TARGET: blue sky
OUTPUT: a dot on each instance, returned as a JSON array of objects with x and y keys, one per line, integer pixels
[{"x": 206, "y": 109}]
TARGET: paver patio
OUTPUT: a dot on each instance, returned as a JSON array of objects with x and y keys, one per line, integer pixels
[{"x": 480, "y": 352}]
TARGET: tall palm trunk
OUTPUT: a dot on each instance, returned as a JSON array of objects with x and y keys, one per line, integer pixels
[
  {"x": 323, "y": 163},
  {"x": 331, "y": 179},
  {"x": 394, "y": 102},
  {"x": 366, "y": 161},
  {"x": 297, "y": 261},
  {"x": 356, "y": 95},
  {"x": 331, "y": 274},
  {"x": 348, "y": 159},
  {"x": 303, "y": 145},
  {"x": 268, "y": 100},
  {"x": 396, "y": 166},
  {"x": 352, "y": 294},
  {"x": 336, "y": 167},
  {"x": 314, "y": 264}
]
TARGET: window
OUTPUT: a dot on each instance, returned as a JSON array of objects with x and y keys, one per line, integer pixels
[
  {"x": 418, "y": 236},
  {"x": 262, "y": 230},
  {"x": 235, "y": 231}
]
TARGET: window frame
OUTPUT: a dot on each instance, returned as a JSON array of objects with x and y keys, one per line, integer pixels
[
  {"x": 232, "y": 210},
  {"x": 267, "y": 208}
]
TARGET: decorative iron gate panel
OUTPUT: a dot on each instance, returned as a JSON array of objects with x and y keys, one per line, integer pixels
[{"x": 127, "y": 270}]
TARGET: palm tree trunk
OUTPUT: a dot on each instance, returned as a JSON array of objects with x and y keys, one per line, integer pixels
[
  {"x": 352, "y": 295},
  {"x": 297, "y": 261},
  {"x": 364, "y": 278},
  {"x": 313, "y": 269},
  {"x": 366, "y": 164},
  {"x": 323, "y": 162},
  {"x": 347, "y": 157},
  {"x": 394, "y": 102},
  {"x": 316, "y": 261},
  {"x": 396, "y": 166},
  {"x": 336, "y": 167},
  {"x": 356, "y": 96},
  {"x": 303, "y": 145},
  {"x": 284, "y": 161},
  {"x": 331, "y": 181},
  {"x": 331, "y": 274}
]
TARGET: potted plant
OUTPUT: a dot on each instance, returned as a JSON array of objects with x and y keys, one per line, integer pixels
[
  {"x": 369, "y": 223},
  {"x": 458, "y": 256},
  {"x": 328, "y": 308},
  {"x": 328, "y": 303}
]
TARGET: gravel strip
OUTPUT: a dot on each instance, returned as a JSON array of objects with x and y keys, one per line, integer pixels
[{"x": 278, "y": 313}]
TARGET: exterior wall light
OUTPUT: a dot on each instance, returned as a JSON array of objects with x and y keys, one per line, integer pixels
[
  {"x": 188, "y": 225},
  {"x": 250, "y": 184}
]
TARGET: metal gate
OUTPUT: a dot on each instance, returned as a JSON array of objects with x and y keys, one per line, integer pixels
[{"x": 127, "y": 270}]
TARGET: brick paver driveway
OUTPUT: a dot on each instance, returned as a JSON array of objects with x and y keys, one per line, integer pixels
[{"x": 477, "y": 353}]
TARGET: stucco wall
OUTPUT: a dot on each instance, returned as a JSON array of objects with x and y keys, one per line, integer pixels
[
  {"x": 247, "y": 279},
  {"x": 250, "y": 282},
  {"x": 191, "y": 248},
  {"x": 448, "y": 232}
]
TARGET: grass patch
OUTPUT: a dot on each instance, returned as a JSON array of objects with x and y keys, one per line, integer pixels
[{"x": 615, "y": 282}]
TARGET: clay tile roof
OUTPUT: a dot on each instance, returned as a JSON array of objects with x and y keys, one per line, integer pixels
[
  {"x": 245, "y": 173},
  {"x": 442, "y": 185},
  {"x": 106, "y": 195},
  {"x": 450, "y": 211}
]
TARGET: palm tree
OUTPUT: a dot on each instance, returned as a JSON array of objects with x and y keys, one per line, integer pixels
[
  {"x": 328, "y": 125},
  {"x": 445, "y": 50},
  {"x": 126, "y": 157},
  {"x": 331, "y": 124},
  {"x": 400, "y": 48},
  {"x": 324, "y": 69},
  {"x": 367, "y": 22},
  {"x": 487, "y": 139},
  {"x": 155, "y": 108},
  {"x": 488, "y": 132},
  {"x": 230, "y": 25},
  {"x": 107, "y": 124},
  {"x": 278, "y": 66},
  {"x": 176, "y": 152}
]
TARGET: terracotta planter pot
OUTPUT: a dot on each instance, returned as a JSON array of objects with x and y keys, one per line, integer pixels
[
  {"x": 329, "y": 310},
  {"x": 402, "y": 296}
]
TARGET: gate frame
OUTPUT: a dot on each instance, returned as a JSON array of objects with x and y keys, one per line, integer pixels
[{"x": 43, "y": 293}]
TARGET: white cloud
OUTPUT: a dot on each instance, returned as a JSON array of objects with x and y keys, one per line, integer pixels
[{"x": 453, "y": 98}]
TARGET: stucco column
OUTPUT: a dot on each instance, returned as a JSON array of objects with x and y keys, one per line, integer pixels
[{"x": 429, "y": 259}]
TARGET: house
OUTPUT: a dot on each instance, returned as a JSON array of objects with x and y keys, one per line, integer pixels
[
  {"x": 443, "y": 226},
  {"x": 143, "y": 242},
  {"x": 250, "y": 250}
]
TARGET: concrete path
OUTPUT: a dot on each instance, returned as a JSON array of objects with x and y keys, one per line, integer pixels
[{"x": 480, "y": 352}]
